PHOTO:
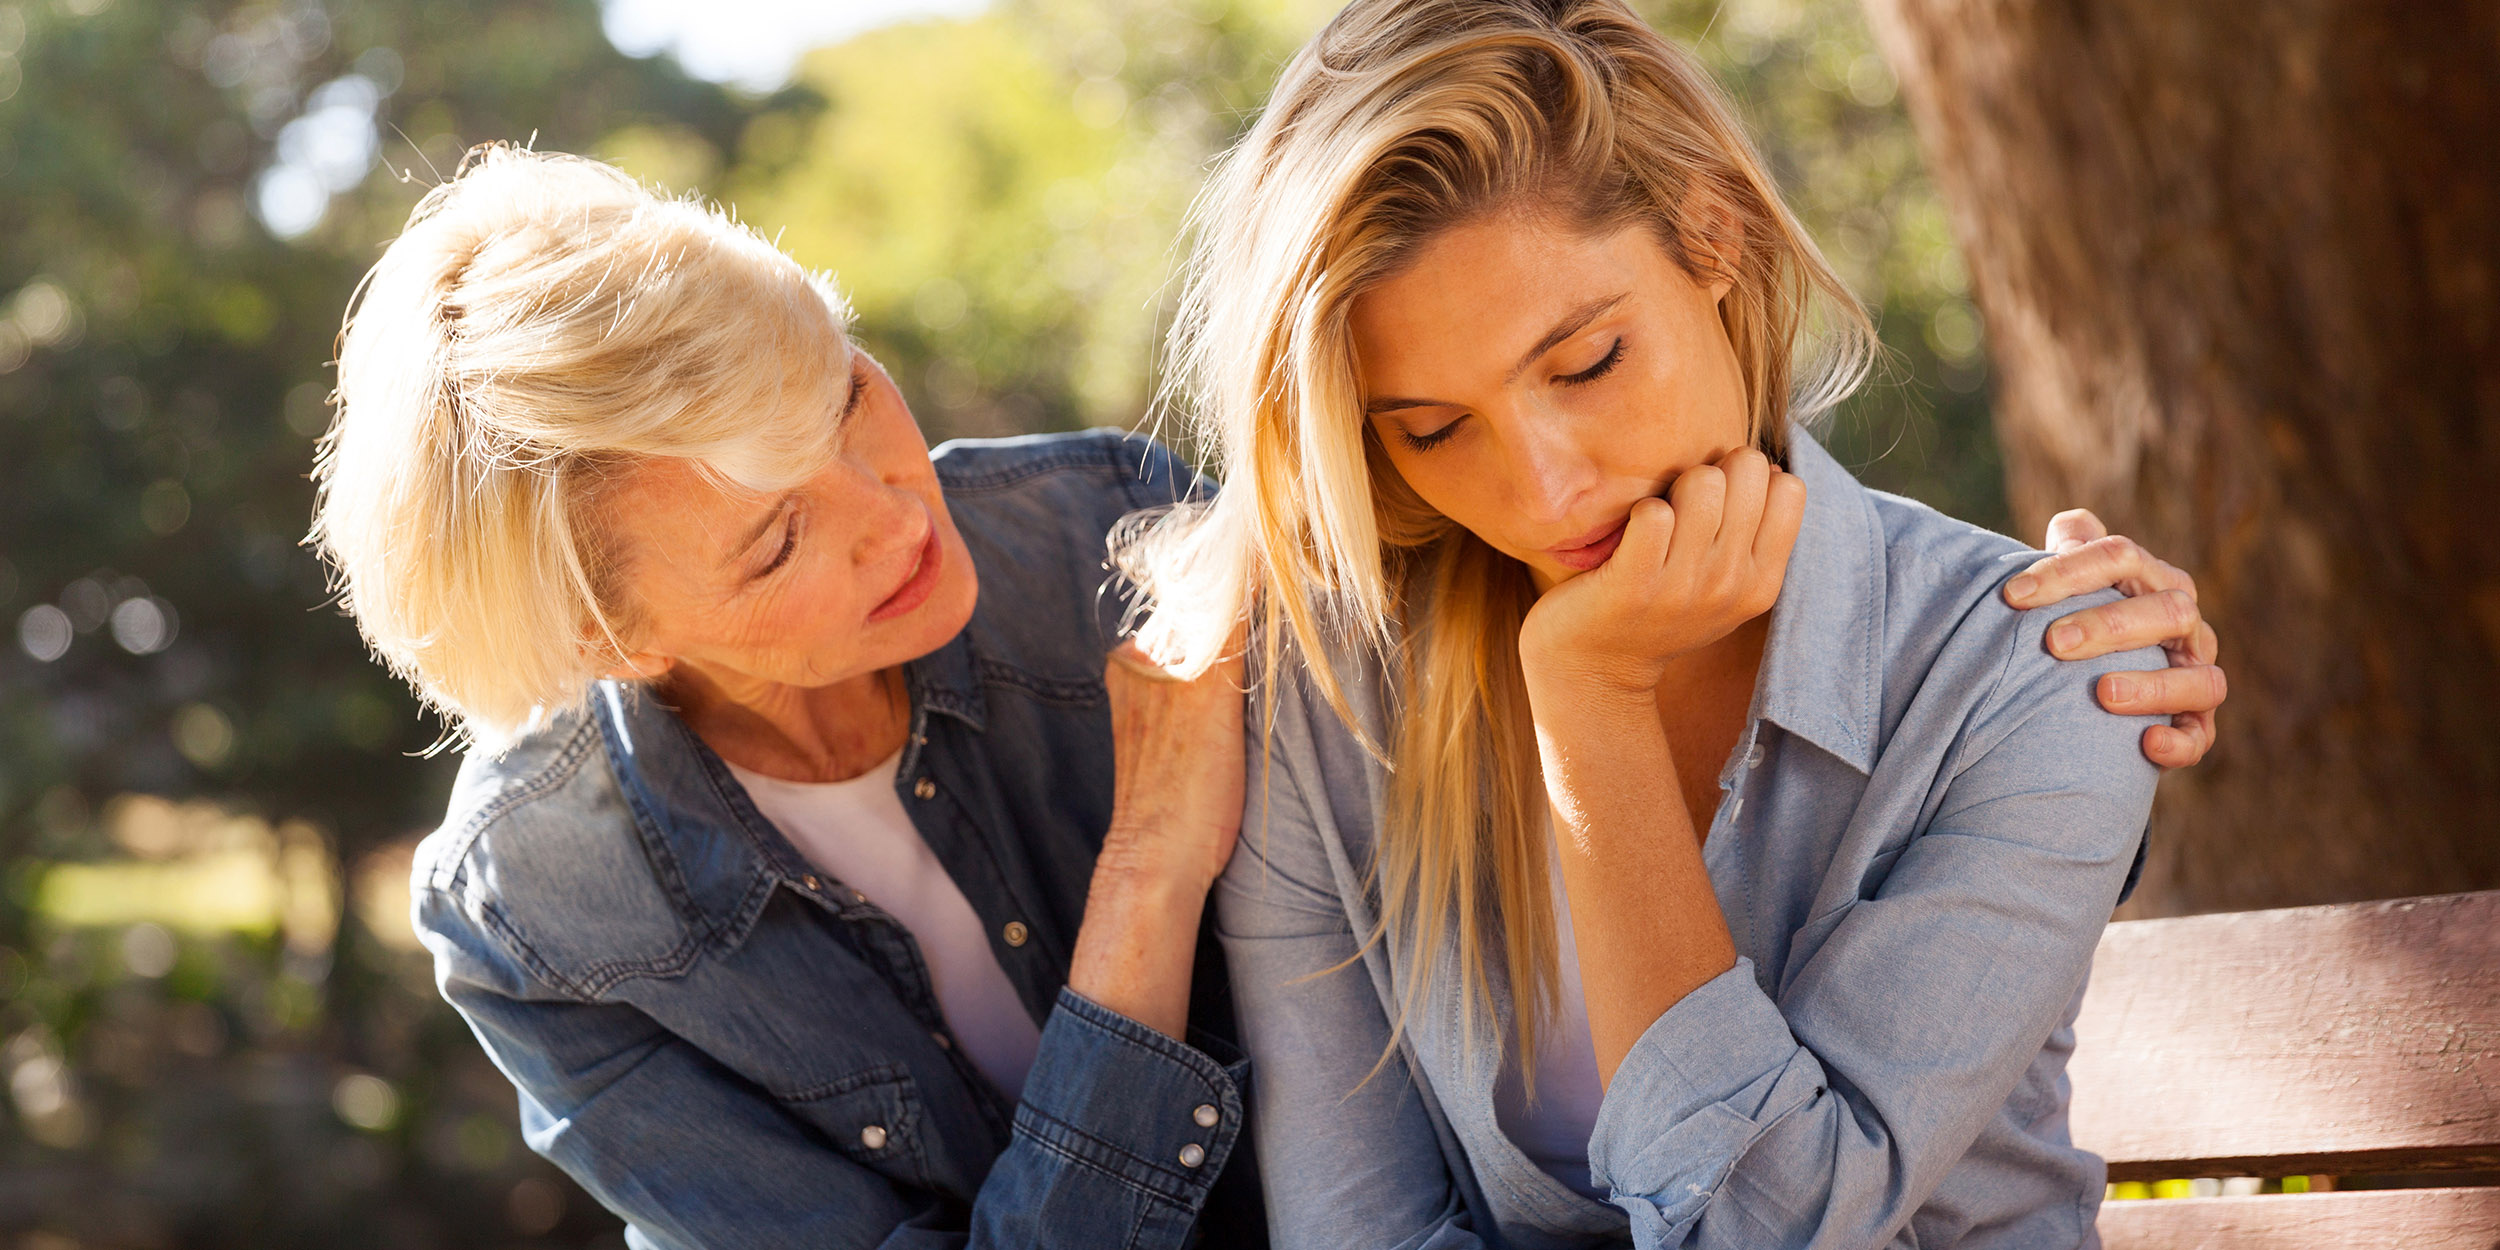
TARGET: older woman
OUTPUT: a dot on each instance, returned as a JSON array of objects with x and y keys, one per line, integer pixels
[{"x": 811, "y": 875}]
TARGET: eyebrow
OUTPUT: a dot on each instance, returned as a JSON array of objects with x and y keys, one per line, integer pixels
[{"x": 1572, "y": 322}]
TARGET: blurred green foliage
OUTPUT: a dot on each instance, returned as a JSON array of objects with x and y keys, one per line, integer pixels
[{"x": 214, "y": 1028}]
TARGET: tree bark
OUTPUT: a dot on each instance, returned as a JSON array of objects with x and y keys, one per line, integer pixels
[{"x": 2240, "y": 270}]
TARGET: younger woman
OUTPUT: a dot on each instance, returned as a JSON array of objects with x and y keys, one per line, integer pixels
[{"x": 1669, "y": 838}]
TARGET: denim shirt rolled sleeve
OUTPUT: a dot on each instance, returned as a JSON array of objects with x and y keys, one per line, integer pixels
[
  {"x": 695, "y": 1156},
  {"x": 728, "y": 1048},
  {"x": 1121, "y": 1101},
  {"x": 1820, "y": 1113}
]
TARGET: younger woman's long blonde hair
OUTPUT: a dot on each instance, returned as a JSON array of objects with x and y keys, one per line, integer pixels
[{"x": 1399, "y": 120}]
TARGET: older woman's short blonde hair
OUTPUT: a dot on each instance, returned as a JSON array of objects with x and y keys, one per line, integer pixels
[{"x": 543, "y": 323}]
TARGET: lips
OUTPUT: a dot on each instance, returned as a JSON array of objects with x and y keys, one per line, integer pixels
[
  {"x": 1591, "y": 549},
  {"x": 918, "y": 583}
]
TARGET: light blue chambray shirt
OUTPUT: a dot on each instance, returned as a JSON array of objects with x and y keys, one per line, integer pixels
[{"x": 1923, "y": 831}]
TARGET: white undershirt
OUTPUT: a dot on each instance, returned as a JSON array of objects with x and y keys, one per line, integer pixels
[
  {"x": 1554, "y": 1130},
  {"x": 857, "y": 832}
]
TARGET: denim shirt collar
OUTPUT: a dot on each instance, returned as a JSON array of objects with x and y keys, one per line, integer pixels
[
  {"x": 1822, "y": 670},
  {"x": 717, "y": 855}
]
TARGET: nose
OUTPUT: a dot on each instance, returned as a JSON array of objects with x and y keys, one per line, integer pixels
[
  {"x": 1551, "y": 473},
  {"x": 880, "y": 514}
]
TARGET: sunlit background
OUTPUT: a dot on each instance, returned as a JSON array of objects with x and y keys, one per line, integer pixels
[{"x": 216, "y": 1028}]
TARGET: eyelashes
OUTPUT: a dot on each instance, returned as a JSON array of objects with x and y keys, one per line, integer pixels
[
  {"x": 789, "y": 544},
  {"x": 1614, "y": 356},
  {"x": 1426, "y": 442},
  {"x": 859, "y": 383}
]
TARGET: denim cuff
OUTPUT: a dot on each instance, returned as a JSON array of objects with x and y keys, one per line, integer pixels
[
  {"x": 1707, "y": 1079},
  {"x": 1125, "y": 1100}
]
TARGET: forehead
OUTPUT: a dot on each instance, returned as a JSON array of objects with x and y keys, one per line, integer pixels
[
  {"x": 1494, "y": 285},
  {"x": 667, "y": 511}
]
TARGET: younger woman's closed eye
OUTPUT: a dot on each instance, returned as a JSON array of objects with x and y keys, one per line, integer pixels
[{"x": 1613, "y": 357}]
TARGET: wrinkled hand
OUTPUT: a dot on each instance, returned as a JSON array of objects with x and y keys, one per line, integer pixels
[
  {"x": 1690, "y": 569},
  {"x": 2160, "y": 609},
  {"x": 1177, "y": 755}
]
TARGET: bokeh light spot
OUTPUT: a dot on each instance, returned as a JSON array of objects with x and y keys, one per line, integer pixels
[
  {"x": 366, "y": 1102},
  {"x": 143, "y": 626},
  {"x": 44, "y": 632},
  {"x": 203, "y": 735}
]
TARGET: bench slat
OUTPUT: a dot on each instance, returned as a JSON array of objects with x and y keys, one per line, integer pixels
[
  {"x": 2352, "y": 1038},
  {"x": 2416, "y": 1219}
]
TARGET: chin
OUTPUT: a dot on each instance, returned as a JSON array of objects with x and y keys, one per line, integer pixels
[{"x": 949, "y": 607}]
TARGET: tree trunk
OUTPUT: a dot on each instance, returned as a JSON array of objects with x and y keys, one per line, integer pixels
[{"x": 2240, "y": 270}]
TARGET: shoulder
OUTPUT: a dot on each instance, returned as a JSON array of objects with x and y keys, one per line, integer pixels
[
  {"x": 1947, "y": 621},
  {"x": 1038, "y": 515},
  {"x": 538, "y": 879},
  {"x": 1092, "y": 470}
]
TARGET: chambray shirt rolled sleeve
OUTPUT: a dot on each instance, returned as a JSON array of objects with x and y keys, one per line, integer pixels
[
  {"x": 1705, "y": 1081},
  {"x": 1822, "y": 1112},
  {"x": 1119, "y": 1101}
]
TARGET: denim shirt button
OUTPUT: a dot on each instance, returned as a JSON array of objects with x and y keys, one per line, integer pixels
[
  {"x": 1016, "y": 933},
  {"x": 810, "y": 882},
  {"x": 944, "y": 1042},
  {"x": 1192, "y": 1155},
  {"x": 1205, "y": 1115},
  {"x": 924, "y": 788},
  {"x": 873, "y": 1137}
]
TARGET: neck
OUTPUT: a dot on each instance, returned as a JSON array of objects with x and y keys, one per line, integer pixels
[
  {"x": 795, "y": 733},
  {"x": 1725, "y": 670},
  {"x": 1702, "y": 704}
]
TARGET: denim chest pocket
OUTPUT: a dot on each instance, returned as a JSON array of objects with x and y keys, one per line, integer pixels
[{"x": 875, "y": 1117}]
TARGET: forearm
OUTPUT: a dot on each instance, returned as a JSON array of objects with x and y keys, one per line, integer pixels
[
  {"x": 1646, "y": 920},
  {"x": 1134, "y": 949}
]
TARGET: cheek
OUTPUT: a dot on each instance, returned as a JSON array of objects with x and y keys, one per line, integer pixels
[{"x": 1457, "y": 480}]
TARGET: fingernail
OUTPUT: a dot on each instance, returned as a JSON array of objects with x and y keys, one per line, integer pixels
[
  {"x": 2064, "y": 637},
  {"x": 2121, "y": 690},
  {"x": 2021, "y": 587}
]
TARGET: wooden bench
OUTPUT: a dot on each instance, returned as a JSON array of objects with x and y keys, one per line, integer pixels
[{"x": 2329, "y": 1041}]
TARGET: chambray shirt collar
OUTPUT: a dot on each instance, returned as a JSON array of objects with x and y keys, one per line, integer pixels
[
  {"x": 725, "y": 856},
  {"x": 1823, "y": 664}
]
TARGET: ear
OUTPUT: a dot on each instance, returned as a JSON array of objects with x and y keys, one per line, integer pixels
[
  {"x": 1717, "y": 238},
  {"x": 641, "y": 666},
  {"x": 623, "y": 665}
]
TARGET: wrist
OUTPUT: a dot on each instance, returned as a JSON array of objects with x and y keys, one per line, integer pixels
[
  {"x": 1157, "y": 854},
  {"x": 1608, "y": 692},
  {"x": 1135, "y": 949},
  {"x": 1130, "y": 875}
]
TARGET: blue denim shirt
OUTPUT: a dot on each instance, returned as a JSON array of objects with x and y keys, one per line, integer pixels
[
  {"x": 729, "y": 1050},
  {"x": 1922, "y": 832}
]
